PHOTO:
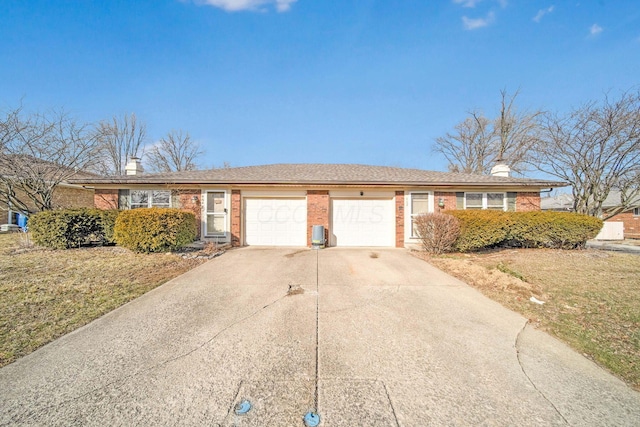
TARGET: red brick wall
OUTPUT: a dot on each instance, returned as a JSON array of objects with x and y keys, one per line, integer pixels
[
  {"x": 186, "y": 201},
  {"x": 449, "y": 201},
  {"x": 69, "y": 197},
  {"x": 106, "y": 199},
  {"x": 317, "y": 211},
  {"x": 399, "y": 219},
  {"x": 236, "y": 210},
  {"x": 631, "y": 224},
  {"x": 528, "y": 201}
]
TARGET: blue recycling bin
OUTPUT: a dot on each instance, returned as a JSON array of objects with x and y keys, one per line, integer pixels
[{"x": 22, "y": 220}]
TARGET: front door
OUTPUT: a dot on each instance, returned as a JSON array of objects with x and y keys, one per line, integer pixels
[{"x": 216, "y": 215}]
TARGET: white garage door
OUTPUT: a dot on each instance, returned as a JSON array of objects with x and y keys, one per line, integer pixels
[
  {"x": 276, "y": 222},
  {"x": 363, "y": 222}
]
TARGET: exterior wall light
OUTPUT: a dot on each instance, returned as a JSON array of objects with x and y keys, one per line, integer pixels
[
  {"x": 441, "y": 202},
  {"x": 194, "y": 199}
]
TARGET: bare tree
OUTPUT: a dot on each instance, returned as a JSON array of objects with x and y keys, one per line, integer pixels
[
  {"x": 175, "y": 152},
  {"x": 595, "y": 148},
  {"x": 120, "y": 139},
  {"x": 516, "y": 132},
  {"x": 38, "y": 152},
  {"x": 478, "y": 142},
  {"x": 470, "y": 148}
]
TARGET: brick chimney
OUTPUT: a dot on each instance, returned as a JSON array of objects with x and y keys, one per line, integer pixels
[{"x": 134, "y": 167}]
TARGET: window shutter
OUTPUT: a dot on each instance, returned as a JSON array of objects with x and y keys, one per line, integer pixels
[
  {"x": 124, "y": 199},
  {"x": 511, "y": 202},
  {"x": 460, "y": 201}
]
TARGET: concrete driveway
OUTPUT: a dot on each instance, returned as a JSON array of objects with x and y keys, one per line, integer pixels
[{"x": 368, "y": 337}]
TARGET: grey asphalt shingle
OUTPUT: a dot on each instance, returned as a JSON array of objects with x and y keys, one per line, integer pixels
[{"x": 317, "y": 174}]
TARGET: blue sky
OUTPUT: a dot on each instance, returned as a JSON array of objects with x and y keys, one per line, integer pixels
[{"x": 313, "y": 81}]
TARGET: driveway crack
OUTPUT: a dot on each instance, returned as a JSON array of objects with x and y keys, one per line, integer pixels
[
  {"x": 517, "y": 346},
  {"x": 121, "y": 381}
]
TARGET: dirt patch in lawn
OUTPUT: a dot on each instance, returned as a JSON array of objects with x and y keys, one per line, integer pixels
[
  {"x": 45, "y": 294},
  {"x": 591, "y": 298}
]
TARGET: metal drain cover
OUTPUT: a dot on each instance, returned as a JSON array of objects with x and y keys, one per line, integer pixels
[
  {"x": 243, "y": 407},
  {"x": 311, "y": 419}
]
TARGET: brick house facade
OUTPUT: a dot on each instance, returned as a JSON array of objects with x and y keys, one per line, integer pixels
[
  {"x": 357, "y": 205},
  {"x": 64, "y": 196}
]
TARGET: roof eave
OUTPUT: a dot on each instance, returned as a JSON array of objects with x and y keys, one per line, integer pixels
[{"x": 534, "y": 184}]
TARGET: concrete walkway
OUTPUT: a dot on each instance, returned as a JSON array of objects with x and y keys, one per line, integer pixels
[
  {"x": 625, "y": 246},
  {"x": 364, "y": 337}
]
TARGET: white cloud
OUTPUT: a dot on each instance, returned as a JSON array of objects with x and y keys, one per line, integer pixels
[
  {"x": 238, "y": 5},
  {"x": 543, "y": 12},
  {"x": 474, "y": 24},
  {"x": 595, "y": 29},
  {"x": 467, "y": 3}
]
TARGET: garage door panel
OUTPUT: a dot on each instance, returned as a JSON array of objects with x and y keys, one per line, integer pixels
[
  {"x": 363, "y": 222},
  {"x": 276, "y": 222}
]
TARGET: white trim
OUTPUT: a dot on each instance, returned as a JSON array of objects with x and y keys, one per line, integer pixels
[
  {"x": 365, "y": 194},
  {"x": 257, "y": 194}
]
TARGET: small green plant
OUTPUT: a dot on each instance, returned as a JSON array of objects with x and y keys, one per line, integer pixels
[{"x": 507, "y": 270}]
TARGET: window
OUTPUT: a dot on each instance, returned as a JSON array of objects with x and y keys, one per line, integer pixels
[
  {"x": 419, "y": 205},
  {"x": 149, "y": 199},
  {"x": 636, "y": 211},
  {"x": 494, "y": 201}
]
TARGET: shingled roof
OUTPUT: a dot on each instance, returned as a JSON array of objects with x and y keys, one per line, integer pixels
[{"x": 319, "y": 174}]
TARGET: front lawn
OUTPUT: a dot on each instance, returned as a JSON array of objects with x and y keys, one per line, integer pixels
[
  {"x": 45, "y": 294},
  {"x": 592, "y": 298}
]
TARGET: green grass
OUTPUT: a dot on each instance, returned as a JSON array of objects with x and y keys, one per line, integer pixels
[
  {"x": 45, "y": 294},
  {"x": 592, "y": 298}
]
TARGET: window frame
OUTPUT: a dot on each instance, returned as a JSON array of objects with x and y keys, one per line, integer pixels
[
  {"x": 636, "y": 211},
  {"x": 150, "y": 199},
  {"x": 485, "y": 200}
]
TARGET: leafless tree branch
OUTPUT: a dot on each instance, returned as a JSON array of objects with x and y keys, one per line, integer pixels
[{"x": 174, "y": 152}]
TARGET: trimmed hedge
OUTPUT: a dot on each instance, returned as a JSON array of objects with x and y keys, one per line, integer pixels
[
  {"x": 561, "y": 230},
  {"x": 535, "y": 229},
  {"x": 108, "y": 222},
  {"x": 154, "y": 229},
  {"x": 69, "y": 228},
  {"x": 480, "y": 229}
]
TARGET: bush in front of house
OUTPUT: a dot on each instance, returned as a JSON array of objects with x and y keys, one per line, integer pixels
[
  {"x": 66, "y": 228},
  {"x": 480, "y": 229},
  {"x": 559, "y": 230},
  {"x": 108, "y": 224},
  {"x": 154, "y": 229},
  {"x": 484, "y": 229},
  {"x": 438, "y": 232}
]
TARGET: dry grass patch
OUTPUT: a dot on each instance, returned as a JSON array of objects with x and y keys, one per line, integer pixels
[
  {"x": 592, "y": 298},
  {"x": 45, "y": 294}
]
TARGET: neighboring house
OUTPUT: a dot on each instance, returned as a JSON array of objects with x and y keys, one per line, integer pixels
[
  {"x": 65, "y": 195},
  {"x": 277, "y": 205},
  {"x": 629, "y": 219}
]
